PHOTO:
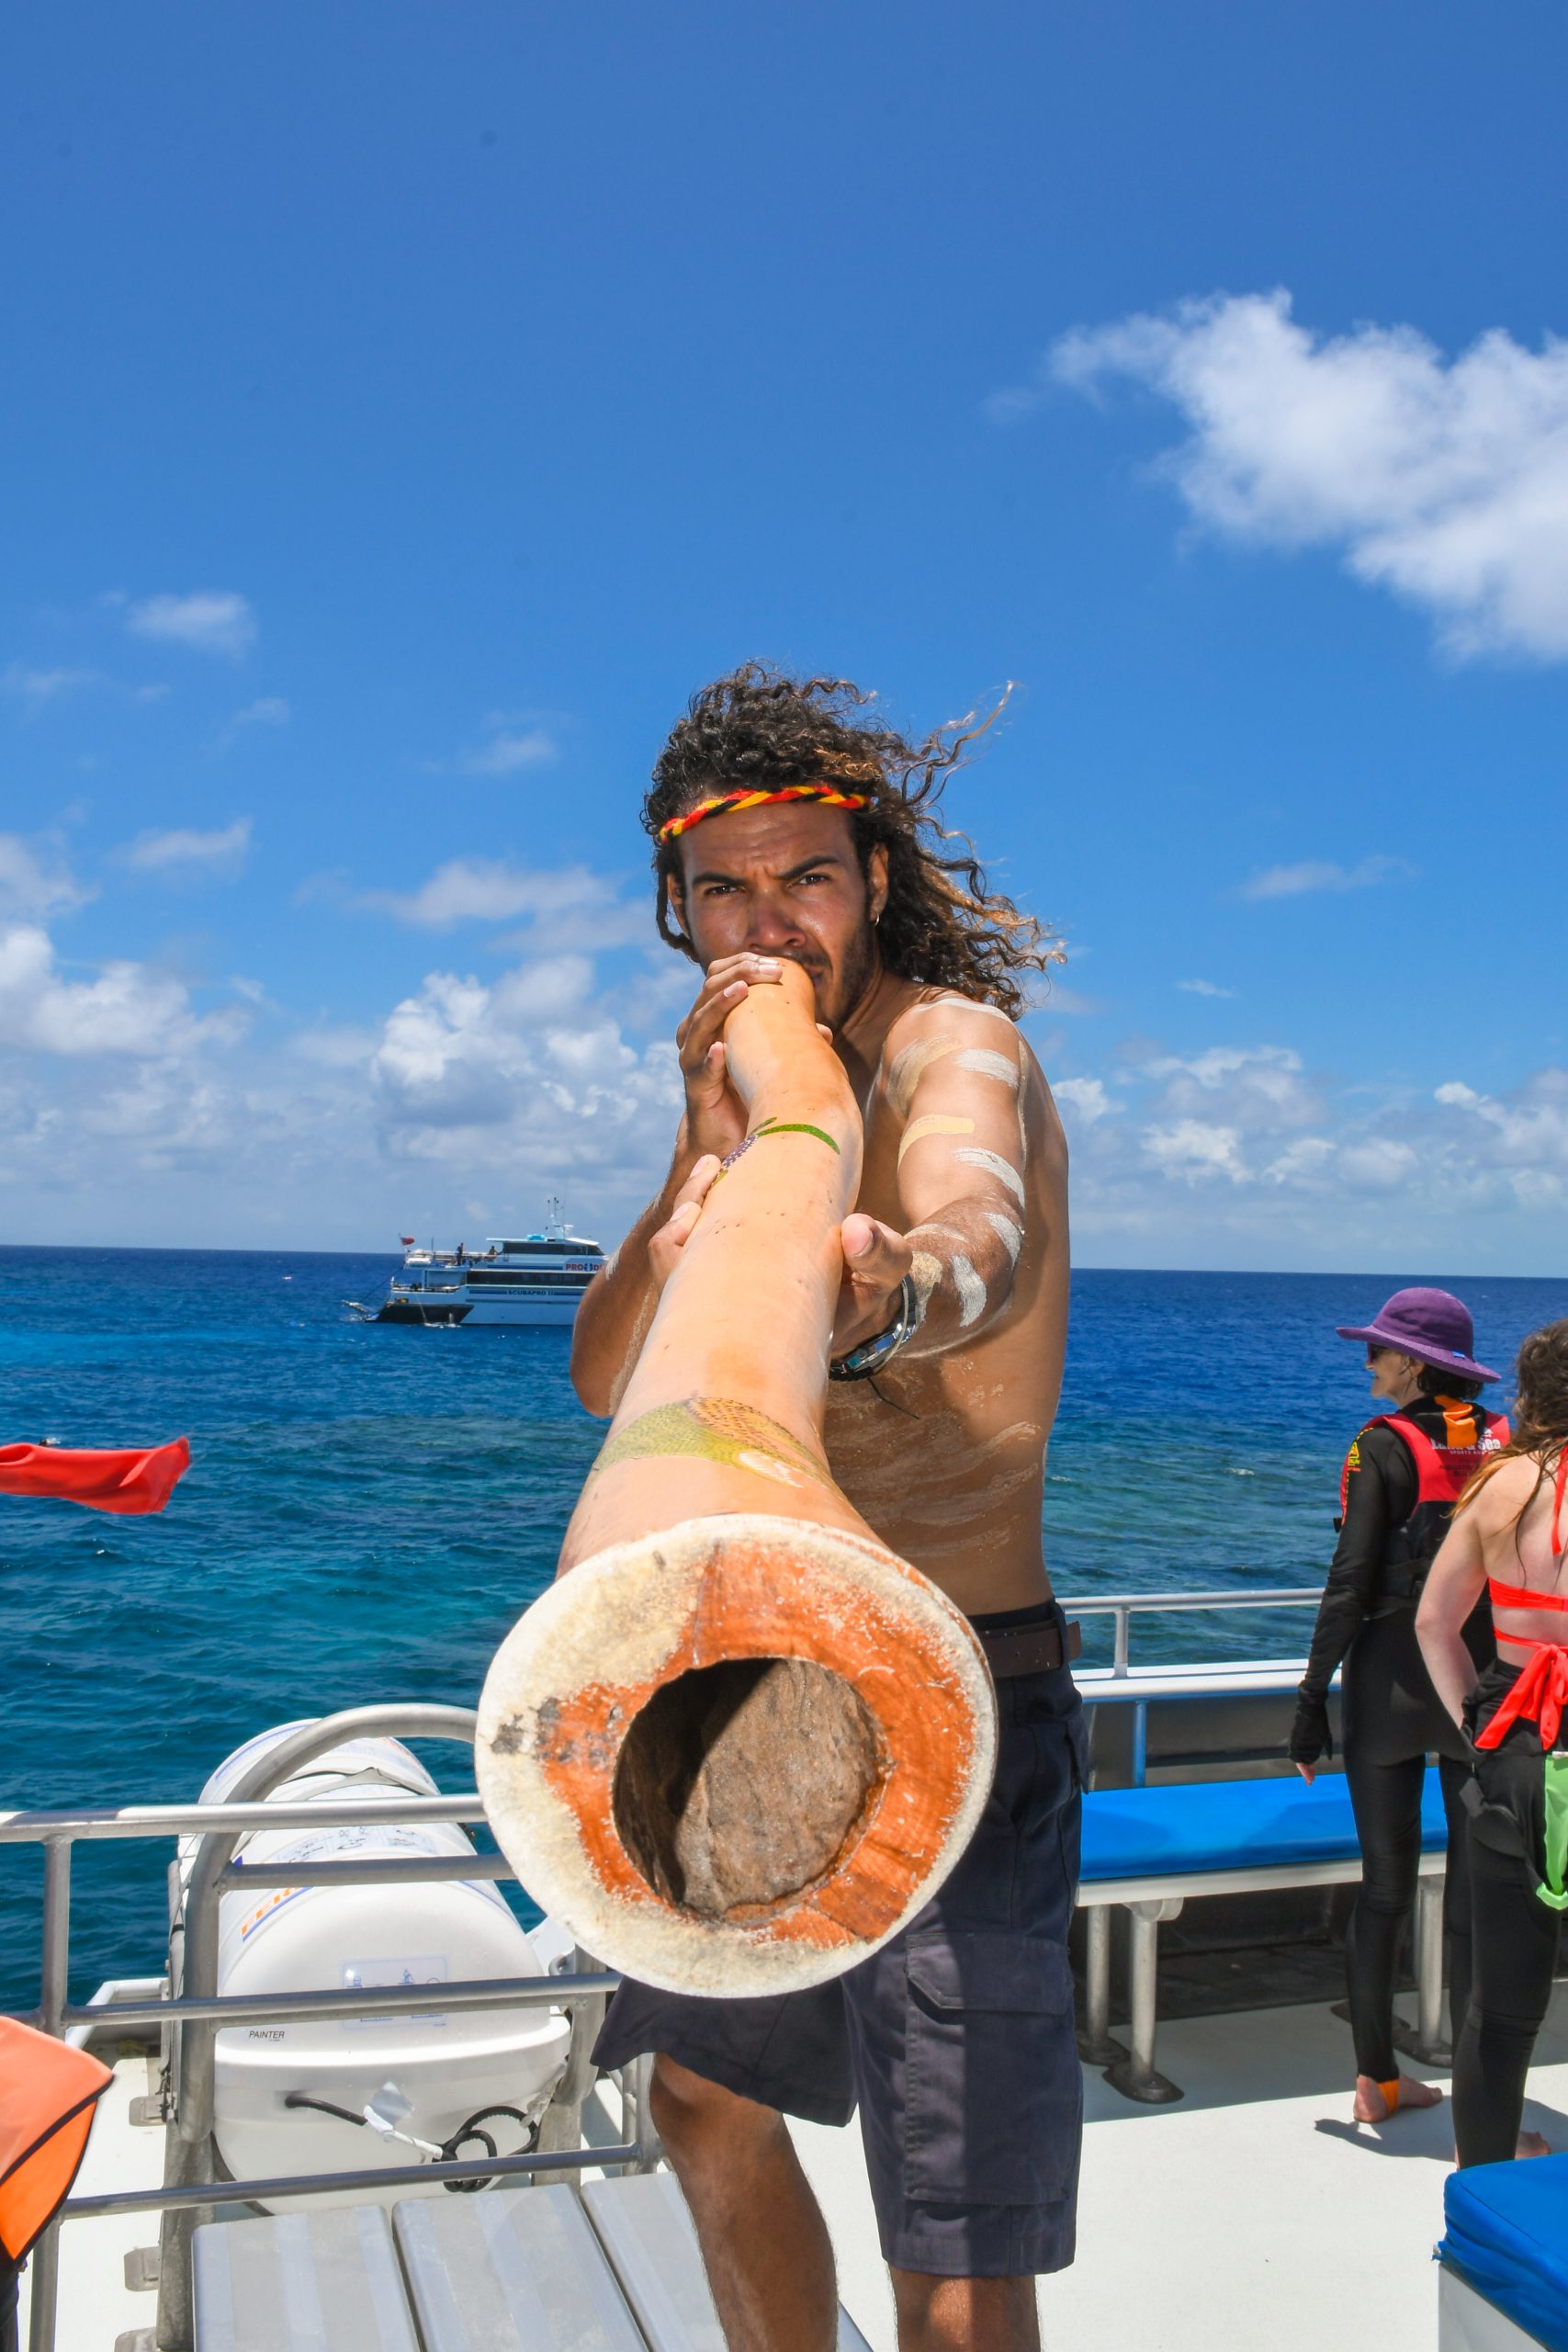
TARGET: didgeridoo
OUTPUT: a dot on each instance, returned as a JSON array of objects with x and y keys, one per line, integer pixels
[{"x": 741, "y": 1743}]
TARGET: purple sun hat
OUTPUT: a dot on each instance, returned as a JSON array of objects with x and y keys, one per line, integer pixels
[{"x": 1433, "y": 1326}]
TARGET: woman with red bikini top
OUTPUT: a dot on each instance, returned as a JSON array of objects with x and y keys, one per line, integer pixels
[{"x": 1510, "y": 1534}]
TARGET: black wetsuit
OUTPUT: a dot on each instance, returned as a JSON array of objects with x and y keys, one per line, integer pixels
[
  {"x": 1392, "y": 1720},
  {"x": 1516, "y": 1957}
]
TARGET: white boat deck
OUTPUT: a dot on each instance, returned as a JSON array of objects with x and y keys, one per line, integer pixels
[{"x": 1253, "y": 2213}]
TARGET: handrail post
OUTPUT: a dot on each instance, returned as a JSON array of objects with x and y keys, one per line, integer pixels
[
  {"x": 561, "y": 2126},
  {"x": 54, "y": 1976},
  {"x": 1123, "y": 1619},
  {"x": 54, "y": 1991}
]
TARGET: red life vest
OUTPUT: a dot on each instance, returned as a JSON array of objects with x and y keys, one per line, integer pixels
[
  {"x": 1443, "y": 1468},
  {"x": 48, "y": 2092},
  {"x": 135, "y": 1478}
]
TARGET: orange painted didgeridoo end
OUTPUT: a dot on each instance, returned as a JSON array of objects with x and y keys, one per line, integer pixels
[{"x": 741, "y": 1743}]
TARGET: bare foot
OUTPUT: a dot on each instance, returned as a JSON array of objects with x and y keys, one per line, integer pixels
[
  {"x": 1531, "y": 2144},
  {"x": 1371, "y": 2106}
]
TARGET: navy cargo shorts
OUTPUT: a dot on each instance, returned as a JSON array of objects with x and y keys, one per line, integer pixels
[{"x": 957, "y": 2040}]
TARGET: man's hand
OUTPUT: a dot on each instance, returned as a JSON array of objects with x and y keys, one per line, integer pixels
[
  {"x": 664, "y": 1247},
  {"x": 876, "y": 1262},
  {"x": 715, "y": 1116}
]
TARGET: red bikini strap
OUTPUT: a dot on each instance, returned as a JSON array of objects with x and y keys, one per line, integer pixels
[{"x": 1520, "y": 1595}]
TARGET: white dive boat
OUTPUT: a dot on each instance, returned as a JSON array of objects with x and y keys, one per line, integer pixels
[
  {"x": 536, "y": 1280},
  {"x": 352, "y": 2025}
]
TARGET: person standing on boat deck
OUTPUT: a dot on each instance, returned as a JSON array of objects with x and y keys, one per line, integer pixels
[
  {"x": 1510, "y": 1533},
  {"x": 1402, "y": 1478},
  {"x": 788, "y": 828}
]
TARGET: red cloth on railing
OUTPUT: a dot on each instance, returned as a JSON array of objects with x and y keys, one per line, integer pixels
[{"x": 134, "y": 1478}]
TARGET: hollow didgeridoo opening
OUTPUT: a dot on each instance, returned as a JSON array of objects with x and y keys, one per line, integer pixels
[
  {"x": 734, "y": 1758},
  {"x": 735, "y": 1751}
]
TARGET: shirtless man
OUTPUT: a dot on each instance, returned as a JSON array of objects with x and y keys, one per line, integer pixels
[{"x": 788, "y": 828}]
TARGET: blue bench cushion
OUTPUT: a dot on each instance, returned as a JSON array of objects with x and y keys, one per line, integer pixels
[
  {"x": 1183, "y": 1828},
  {"x": 1507, "y": 2236}
]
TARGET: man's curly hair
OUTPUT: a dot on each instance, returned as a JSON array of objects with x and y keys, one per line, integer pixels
[{"x": 760, "y": 728}]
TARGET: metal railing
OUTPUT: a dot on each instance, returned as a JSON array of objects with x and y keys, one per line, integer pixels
[
  {"x": 1124, "y": 1605},
  {"x": 192, "y": 2012}
]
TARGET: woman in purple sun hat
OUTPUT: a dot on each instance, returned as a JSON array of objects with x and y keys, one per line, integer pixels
[{"x": 1401, "y": 1477}]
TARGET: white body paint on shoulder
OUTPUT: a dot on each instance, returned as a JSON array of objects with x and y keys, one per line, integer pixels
[
  {"x": 973, "y": 1157},
  {"x": 986, "y": 1063},
  {"x": 971, "y": 1291},
  {"x": 1007, "y": 1233},
  {"x": 971, "y": 1004}
]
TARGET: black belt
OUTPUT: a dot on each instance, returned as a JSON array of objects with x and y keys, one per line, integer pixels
[{"x": 1030, "y": 1649}]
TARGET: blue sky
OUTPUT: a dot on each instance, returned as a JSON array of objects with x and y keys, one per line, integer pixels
[{"x": 409, "y": 407}]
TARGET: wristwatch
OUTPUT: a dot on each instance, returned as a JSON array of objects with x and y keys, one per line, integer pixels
[{"x": 864, "y": 1361}]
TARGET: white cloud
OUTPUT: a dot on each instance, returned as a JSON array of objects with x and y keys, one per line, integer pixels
[
  {"x": 532, "y": 1068},
  {"x": 267, "y": 710},
  {"x": 1524, "y": 1133},
  {"x": 1204, "y": 987},
  {"x": 1444, "y": 480},
  {"x": 216, "y": 853},
  {"x": 1319, "y": 874},
  {"x": 129, "y": 1009},
  {"x": 36, "y": 687},
  {"x": 1083, "y": 1099},
  {"x": 508, "y": 750},
  {"x": 1253, "y": 1086},
  {"x": 1194, "y": 1149},
  {"x": 212, "y": 620},
  {"x": 486, "y": 890},
  {"x": 32, "y": 884}
]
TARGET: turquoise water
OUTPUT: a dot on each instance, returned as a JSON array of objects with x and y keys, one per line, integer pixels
[{"x": 369, "y": 1508}]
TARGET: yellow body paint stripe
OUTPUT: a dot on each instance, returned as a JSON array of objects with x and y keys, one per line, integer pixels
[
  {"x": 909, "y": 1066},
  {"x": 935, "y": 1123}
]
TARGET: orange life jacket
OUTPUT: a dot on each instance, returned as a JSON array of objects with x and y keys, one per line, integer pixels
[{"x": 48, "y": 2092}]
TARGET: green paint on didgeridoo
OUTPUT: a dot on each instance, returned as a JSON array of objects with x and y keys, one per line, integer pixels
[{"x": 715, "y": 1429}]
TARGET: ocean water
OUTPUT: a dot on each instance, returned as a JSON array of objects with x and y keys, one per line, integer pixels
[{"x": 369, "y": 1507}]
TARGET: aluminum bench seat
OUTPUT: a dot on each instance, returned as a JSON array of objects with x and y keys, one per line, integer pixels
[
  {"x": 1504, "y": 2283},
  {"x": 320, "y": 2281},
  {"x": 1148, "y": 1849},
  {"x": 643, "y": 2223},
  {"x": 509, "y": 2270}
]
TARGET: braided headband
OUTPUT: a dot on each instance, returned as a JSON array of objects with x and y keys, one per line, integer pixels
[{"x": 727, "y": 800}]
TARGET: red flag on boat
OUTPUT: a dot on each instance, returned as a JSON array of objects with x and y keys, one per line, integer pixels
[
  {"x": 406, "y": 1240},
  {"x": 131, "y": 1478}
]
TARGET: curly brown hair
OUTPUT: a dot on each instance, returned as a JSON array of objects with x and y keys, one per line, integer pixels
[
  {"x": 941, "y": 924},
  {"x": 1540, "y": 1417}
]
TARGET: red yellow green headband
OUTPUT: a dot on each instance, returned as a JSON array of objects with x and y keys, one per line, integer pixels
[{"x": 826, "y": 792}]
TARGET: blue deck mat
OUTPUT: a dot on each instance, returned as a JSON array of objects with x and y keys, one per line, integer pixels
[
  {"x": 1229, "y": 1824},
  {"x": 1508, "y": 2236}
]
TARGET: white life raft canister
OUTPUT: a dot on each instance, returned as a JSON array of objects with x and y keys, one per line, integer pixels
[{"x": 429, "y": 2071}]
